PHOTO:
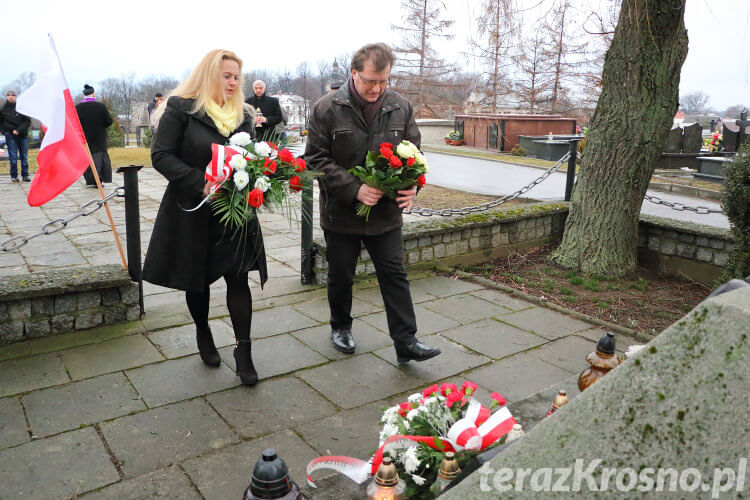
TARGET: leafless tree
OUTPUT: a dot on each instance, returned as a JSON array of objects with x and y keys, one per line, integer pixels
[
  {"x": 534, "y": 83},
  {"x": 149, "y": 86},
  {"x": 694, "y": 102},
  {"x": 735, "y": 110},
  {"x": 599, "y": 25},
  {"x": 495, "y": 48},
  {"x": 324, "y": 70},
  {"x": 307, "y": 86},
  {"x": 420, "y": 72},
  {"x": 21, "y": 83},
  {"x": 120, "y": 93}
]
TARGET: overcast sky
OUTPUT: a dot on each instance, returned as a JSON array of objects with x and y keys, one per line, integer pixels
[{"x": 97, "y": 40}]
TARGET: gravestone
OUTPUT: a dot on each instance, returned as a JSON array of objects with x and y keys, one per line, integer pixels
[
  {"x": 692, "y": 139},
  {"x": 730, "y": 132},
  {"x": 674, "y": 141}
]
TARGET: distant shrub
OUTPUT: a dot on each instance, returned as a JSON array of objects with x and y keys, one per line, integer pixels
[{"x": 518, "y": 150}]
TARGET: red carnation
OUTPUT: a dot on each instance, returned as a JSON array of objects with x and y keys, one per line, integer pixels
[
  {"x": 410, "y": 162},
  {"x": 430, "y": 391},
  {"x": 255, "y": 198},
  {"x": 273, "y": 145},
  {"x": 446, "y": 389},
  {"x": 404, "y": 408},
  {"x": 295, "y": 183},
  {"x": 497, "y": 399},
  {"x": 386, "y": 145},
  {"x": 387, "y": 153},
  {"x": 300, "y": 164},
  {"x": 469, "y": 388},
  {"x": 452, "y": 398},
  {"x": 395, "y": 161},
  {"x": 421, "y": 180},
  {"x": 286, "y": 156},
  {"x": 269, "y": 167}
]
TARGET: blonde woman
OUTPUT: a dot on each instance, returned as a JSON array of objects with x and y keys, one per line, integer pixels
[{"x": 190, "y": 250}]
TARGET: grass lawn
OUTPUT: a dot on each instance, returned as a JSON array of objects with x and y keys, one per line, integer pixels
[
  {"x": 437, "y": 197},
  {"x": 478, "y": 153},
  {"x": 119, "y": 156}
]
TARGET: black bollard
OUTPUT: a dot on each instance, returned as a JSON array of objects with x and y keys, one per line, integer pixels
[
  {"x": 306, "y": 271},
  {"x": 133, "y": 226},
  {"x": 571, "y": 178}
]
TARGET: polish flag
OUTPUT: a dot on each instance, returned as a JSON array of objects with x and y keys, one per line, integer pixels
[{"x": 63, "y": 156}]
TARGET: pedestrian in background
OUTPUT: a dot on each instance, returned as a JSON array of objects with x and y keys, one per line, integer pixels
[
  {"x": 95, "y": 119},
  {"x": 15, "y": 127}
]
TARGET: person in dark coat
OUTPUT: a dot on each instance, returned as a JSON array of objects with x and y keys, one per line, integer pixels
[
  {"x": 15, "y": 127},
  {"x": 189, "y": 250},
  {"x": 95, "y": 120},
  {"x": 344, "y": 126},
  {"x": 154, "y": 103},
  {"x": 270, "y": 110}
]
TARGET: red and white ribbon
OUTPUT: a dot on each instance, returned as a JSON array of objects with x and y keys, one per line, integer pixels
[{"x": 476, "y": 431}]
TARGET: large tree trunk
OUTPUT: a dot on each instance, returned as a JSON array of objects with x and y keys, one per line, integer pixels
[{"x": 627, "y": 133}]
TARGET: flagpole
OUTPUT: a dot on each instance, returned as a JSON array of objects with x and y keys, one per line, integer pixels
[{"x": 93, "y": 167}]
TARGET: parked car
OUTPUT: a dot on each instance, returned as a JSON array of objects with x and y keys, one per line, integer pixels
[{"x": 3, "y": 153}]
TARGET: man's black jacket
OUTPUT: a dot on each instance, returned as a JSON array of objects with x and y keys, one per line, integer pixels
[
  {"x": 11, "y": 120},
  {"x": 270, "y": 108}
]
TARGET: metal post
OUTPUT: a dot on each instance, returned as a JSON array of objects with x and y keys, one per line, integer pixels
[
  {"x": 306, "y": 271},
  {"x": 571, "y": 178},
  {"x": 133, "y": 226}
]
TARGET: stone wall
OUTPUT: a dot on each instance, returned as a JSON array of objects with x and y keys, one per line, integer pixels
[
  {"x": 433, "y": 131},
  {"x": 47, "y": 303},
  {"x": 675, "y": 247}
]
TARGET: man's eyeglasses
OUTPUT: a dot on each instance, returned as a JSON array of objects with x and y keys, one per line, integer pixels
[
  {"x": 371, "y": 83},
  {"x": 9, "y": 95}
]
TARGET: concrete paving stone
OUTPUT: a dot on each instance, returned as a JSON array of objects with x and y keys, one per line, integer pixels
[
  {"x": 12, "y": 423},
  {"x": 288, "y": 255},
  {"x": 320, "y": 310},
  {"x": 58, "y": 467},
  {"x": 164, "y": 483},
  {"x": 165, "y": 302},
  {"x": 568, "y": 353},
  {"x": 279, "y": 241},
  {"x": 57, "y": 259},
  {"x": 621, "y": 341},
  {"x": 545, "y": 322},
  {"x": 466, "y": 308},
  {"x": 276, "y": 356},
  {"x": 428, "y": 322},
  {"x": 292, "y": 298},
  {"x": 372, "y": 295},
  {"x": 493, "y": 338},
  {"x": 280, "y": 286},
  {"x": 453, "y": 359},
  {"x": 278, "y": 320},
  {"x": 502, "y": 299},
  {"x": 443, "y": 286},
  {"x": 27, "y": 374},
  {"x": 351, "y": 433},
  {"x": 81, "y": 403},
  {"x": 8, "y": 259},
  {"x": 226, "y": 474},
  {"x": 160, "y": 321},
  {"x": 14, "y": 270},
  {"x": 164, "y": 436},
  {"x": 110, "y": 356},
  {"x": 180, "y": 341},
  {"x": 366, "y": 337},
  {"x": 179, "y": 379},
  {"x": 270, "y": 407},
  {"x": 279, "y": 269},
  {"x": 533, "y": 409},
  {"x": 151, "y": 289},
  {"x": 518, "y": 376},
  {"x": 358, "y": 380}
]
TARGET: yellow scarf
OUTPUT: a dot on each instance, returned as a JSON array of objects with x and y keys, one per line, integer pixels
[{"x": 226, "y": 117}]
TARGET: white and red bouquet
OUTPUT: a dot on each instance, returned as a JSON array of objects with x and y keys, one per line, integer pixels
[
  {"x": 248, "y": 175},
  {"x": 390, "y": 170},
  {"x": 418, "y": 432}
]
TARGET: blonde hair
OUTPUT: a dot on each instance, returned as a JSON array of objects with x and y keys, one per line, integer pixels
[{"x": 202, "y": 83}]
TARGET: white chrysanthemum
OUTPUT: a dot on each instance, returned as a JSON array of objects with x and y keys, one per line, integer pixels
[
  {"x": 241, "y": 179},
  {"x": 418, "y": 480},
  {"x": 404, "y": 150},
  {"x": 240, "y": 139},
  {"x": 263, "y": 149},
  {"x": 410, "y": 460},
  {"x": 238, "y": 163},
  {"x": 412, "y": 414},
  {"x": 390, "y": 414},
  {"x": 407, "y": 426},
  {"x": 415, "y": 398},
  {"x": 263, "y": 183}
]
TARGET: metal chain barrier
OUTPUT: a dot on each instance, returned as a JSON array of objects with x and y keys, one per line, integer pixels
[
  {"x": 681, "y": 208},
  {"x": 448, "y": 212},
  {"x": 56, "y": 225}
]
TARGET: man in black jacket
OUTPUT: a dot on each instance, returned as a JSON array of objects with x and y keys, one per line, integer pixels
[
  {"x": 267, "y": 108},
  {"x": 344, "y": 126},
  {"x": 15, "y": 127},
  {"x": 95, "y": 119}
]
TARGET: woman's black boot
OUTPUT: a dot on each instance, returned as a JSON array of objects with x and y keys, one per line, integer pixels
[
  {"x": 244, "y": 359},
  {"x": 207, "y": 348}
]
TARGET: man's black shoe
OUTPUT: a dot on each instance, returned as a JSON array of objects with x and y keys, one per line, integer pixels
[
  {"x": 343, "y": 340},
  {"x": 26, "y": 179},
  {"x": 416, "y": 351},
  {"x": 14, "y": 179}
]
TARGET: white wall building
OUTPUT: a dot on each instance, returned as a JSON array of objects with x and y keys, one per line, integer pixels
[{"x": 297, "y": 107}]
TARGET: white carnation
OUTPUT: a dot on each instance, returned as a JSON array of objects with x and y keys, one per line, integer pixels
[
  {"x": 410, "y": 460},
  {"x": 238, "y": 163},
  {"x": 418, "y": 480},
  {"x": 415, "y": 398},
  {"x": 263, "y": 183},
  {"x": 241, "y": 179},
  {"x": 412, "y": 414},
  {"x": 240, "y": 139},
  {"x": 404, "y": 150},
  {"x": 263, "y": 149}
]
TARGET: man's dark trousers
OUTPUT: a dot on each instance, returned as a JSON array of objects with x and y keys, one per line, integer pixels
[
  {"x": 18, "y": 147},
  {"x": 386, "y": 252}
]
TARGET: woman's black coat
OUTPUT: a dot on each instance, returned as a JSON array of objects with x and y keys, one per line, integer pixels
[{"x": 190, "y": 250}]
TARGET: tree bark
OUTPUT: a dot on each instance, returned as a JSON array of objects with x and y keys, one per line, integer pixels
[{"x": 627, "y": 133}]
